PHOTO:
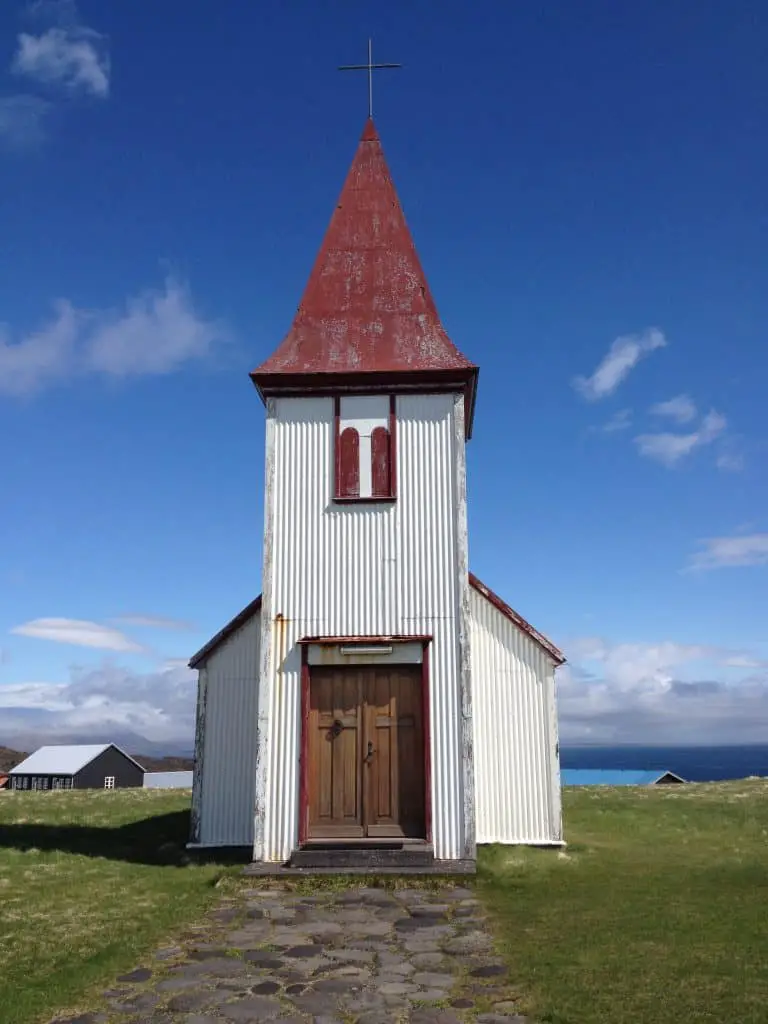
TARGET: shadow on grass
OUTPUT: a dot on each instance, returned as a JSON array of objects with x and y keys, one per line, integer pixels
[{"x": 159, "y": 840}]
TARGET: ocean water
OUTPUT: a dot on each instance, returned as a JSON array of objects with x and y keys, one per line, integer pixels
[{"x": 696, "y": 764}]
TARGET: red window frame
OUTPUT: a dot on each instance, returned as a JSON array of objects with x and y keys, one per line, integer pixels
[{"x": 346, "y": 470}]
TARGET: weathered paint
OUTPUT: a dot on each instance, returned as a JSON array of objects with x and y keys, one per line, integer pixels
[
  {"x": 367, "y": 309},
  {"x": 463, "y": 626},
  {"x": 228, "y": 700},
  {"x": 370, "y": 570},
  {"x": 517, "y": 782},
  {"x": 260, "y": 800},
  {"x": 199, "y": 770}
]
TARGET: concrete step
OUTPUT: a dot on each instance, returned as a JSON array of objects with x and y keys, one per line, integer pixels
[
  {"x": 437, "y": 867},
  {"x": 371, "y": 858}
]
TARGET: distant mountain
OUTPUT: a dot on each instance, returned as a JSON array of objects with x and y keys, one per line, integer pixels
[
  {"x": 165, "y": 764},
  {"x": 31, "y": 739},
  {"x": 9, "y": 758}
]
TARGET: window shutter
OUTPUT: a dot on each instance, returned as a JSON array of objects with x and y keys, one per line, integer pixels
[
  {"x": 348, "y": 483},
  {"x": 380, "y": 462}
]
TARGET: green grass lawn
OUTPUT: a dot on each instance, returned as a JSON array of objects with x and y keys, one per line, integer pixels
[
  {"x": 89, "y": 883},
  {"x": 656, "y": 913}
]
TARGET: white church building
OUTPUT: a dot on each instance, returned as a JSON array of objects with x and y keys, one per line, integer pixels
[{"x": 376, "y": 696}]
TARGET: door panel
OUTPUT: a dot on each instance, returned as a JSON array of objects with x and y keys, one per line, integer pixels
[
  {"x": 335, "y": 735},
  {"x": 395, "y": 793},
  {"x": 366, "y": 753}
]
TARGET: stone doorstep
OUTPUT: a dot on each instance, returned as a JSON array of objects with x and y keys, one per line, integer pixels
[{"x": 438, "y": 868}]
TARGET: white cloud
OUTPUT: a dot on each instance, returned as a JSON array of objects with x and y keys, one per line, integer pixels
[
  {"x": 153, "y": 622},
  {"x": 621, "y": 420},
  {"x": 155, "y": 334},
  {"x": 623, "y": 355},
  {"x": 79, "y": 632},
  {"x": 729, "y": 552},
  {"x": 681, "y": 408},
  {"x": 22, "y": 121},
  {"x": 669, "y": 448},
  {"x": 73, "y": 57},
  {"x": 103, "y": 704},
  {"x": 663, "y": 693},
  {"x": 730, "y": 462}
]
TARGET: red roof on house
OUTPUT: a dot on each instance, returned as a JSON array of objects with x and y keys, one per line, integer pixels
[{"x": 367, "y": 318}]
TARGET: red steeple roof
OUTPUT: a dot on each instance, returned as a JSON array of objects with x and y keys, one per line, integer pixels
[{"x": 367, "y": 320}]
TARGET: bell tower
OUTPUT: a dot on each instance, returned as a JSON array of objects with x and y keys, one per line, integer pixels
[{"x": 369, "y": 405}]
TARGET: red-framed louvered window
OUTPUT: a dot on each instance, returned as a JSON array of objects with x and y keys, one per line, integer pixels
[{"x": 364, "y": 469}]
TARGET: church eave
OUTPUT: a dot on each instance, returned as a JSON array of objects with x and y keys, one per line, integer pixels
[
  {"x": 251, "y": 609},
  {"x": 391, "y": 382}
]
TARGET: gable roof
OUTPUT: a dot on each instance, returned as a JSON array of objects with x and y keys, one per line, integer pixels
[
  {"x": 615, "y": 777},
  {"x": 242, "y": 617},
  {"x": 226, "y": 631},
  {"x": 546, "y": 645},
  {"x": 64, "y": 760},
  {"x": 367, "y": 312}
]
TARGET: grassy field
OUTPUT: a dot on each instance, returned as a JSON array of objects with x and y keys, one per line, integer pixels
[
  {"x": 89, "y": 882},
  {"x": 657, "y": 912}
]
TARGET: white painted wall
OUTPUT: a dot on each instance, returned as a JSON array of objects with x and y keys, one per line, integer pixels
[
  {"x": 517, "y": 775},
  {"x": 389, "y": 568},
  {"x": 223, "y": 793}
]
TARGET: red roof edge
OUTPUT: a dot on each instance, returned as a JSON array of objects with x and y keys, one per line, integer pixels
[
  {"x": 295, "y": 385},
  {"x": 242, "y": 617},
  {"x": 234, "y": 624},
  {"x": 546, "y": 645}
]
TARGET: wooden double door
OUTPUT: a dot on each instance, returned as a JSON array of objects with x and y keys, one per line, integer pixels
[{"x": 365, "y": 753}]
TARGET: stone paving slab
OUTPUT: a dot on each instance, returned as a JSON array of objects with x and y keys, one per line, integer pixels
[{"x": 356, "y": 956}]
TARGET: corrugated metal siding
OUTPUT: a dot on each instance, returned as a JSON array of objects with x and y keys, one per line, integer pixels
[
  {"x": 365, "y": 570},
  {"x": 229, "y": 745},
  {"x": 516, "y": 775}
]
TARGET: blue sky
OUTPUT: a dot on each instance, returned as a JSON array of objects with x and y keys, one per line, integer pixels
[{"x": 586, "y": 187}]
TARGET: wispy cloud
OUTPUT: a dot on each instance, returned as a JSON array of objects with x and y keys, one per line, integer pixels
[
  {"x": 669, "y": 449},
  {"x": 729, "y": 552},
  {"x": 681, "y": 408},
  {"x": 153, "y": 622},
  {"x": 156, "y": 333},
  {"x": 68, "y": 55},
  {"x": 64, "y": 59},
  {"x": 621, "y": 420},
  {"x": 623, "y": 355},
  {"x": 78, "y": 632},
  {"x": 22, "y": 121},
  {"x": 730, "y": 462}
]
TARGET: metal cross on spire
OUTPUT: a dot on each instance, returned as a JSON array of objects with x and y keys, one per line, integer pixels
[{"x": 370, "y": 67}]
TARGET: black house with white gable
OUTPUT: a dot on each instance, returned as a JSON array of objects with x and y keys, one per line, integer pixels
[{"x": 101, "y": 766}]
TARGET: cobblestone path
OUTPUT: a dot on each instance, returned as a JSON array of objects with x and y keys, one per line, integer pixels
[{"x": 363, "y": 955}]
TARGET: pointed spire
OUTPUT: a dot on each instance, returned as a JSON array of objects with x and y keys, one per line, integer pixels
[{"x": 367, "y": 316}]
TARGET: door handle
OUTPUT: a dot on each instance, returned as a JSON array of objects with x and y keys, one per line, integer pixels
[
  {"x": 337, "y": 728},
  {"x": 370, "y": 753}
]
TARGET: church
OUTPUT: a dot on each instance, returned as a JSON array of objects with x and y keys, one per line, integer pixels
[{"x": 376, "y": 703}]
